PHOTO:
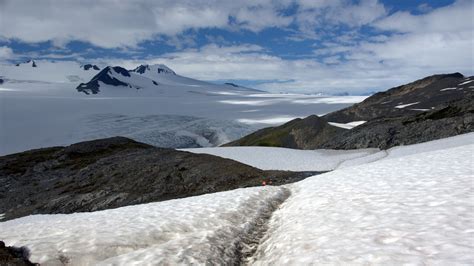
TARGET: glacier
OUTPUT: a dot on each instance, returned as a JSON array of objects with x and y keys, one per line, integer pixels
[{"x": 40, "y": 107}]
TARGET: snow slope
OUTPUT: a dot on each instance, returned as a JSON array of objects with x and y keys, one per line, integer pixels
[
  {"x": 194, "y": 230},
  {"x": 414, "y": 209}
]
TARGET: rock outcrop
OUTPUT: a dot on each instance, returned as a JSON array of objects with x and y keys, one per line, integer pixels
[{"x": 115, "y": 172}]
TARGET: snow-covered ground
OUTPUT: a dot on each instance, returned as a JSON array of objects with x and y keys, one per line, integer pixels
[
  {"x": 271, "y": 158},
  {"x": 187, "y": 231},
  {"x": 415, "y": 209},
  {"x": 40, "y": 107},
  {"x": 413, "y": 205}
]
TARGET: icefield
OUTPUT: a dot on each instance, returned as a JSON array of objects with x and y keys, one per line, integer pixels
[
  {"x": 413, "y": 205},
  {"x": 179, "y": 112}
]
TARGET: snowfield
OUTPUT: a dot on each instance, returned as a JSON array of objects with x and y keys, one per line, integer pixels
[
  {"x": 416, "y": 209},
  {"x": 271, "y": 158},
  {"x": 410, "y": 205}
]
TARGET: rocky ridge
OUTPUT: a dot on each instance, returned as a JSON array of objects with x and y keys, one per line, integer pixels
[{"x": 431, "y": 108}]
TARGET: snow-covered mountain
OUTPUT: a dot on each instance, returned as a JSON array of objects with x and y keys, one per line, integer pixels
[
  {"x": 118, "y": 80},
  {"x": 90, "y": 66},
  {"x": 151, "y": 70},
  {"x": 30, "y": 62},
  {"x": 116, "y": 77}
]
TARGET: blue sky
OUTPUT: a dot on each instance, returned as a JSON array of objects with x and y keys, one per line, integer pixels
[{"x": 311, "y": 46}]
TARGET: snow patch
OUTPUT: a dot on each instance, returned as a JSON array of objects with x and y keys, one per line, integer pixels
[
  {"x": 247, "y": 102},
  {"x": 7, "y": 89},
  {"x": 349, "y": 125},
  {"x": 448, "y": 89},
  {"x": 332, "y": 100},
  {"x": 406, "y": 105},
  {"x": 268, "y": 121},
  {"x": 421, "y": 110},
  {"x": 466, "y": 82}
]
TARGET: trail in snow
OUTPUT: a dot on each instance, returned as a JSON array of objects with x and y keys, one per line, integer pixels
[
  {"x": 251, "y": 240},
  {"x": 213, "y": 229},
  {"x": 370, "y": 158}
]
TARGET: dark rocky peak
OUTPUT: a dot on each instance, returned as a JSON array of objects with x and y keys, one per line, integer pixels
[
  {"x": 105, "y": 76},
  {"x": 89, "y": 66},
  {"x": 120, "y": 70},
  {"x": 141, "y": 69},
  {"x": 32, "y": 62},
  {"x": 232, "y": 84},
  {"x": 158, "y": 69}
]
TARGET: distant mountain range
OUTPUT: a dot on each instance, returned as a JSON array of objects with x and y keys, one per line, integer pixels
[
  {"x": 92, "y": 79},
  {"x": 434, "y": 107},
  {"x": 142, "y": 77}
]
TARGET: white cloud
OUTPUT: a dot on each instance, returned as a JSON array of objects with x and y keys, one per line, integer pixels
[
  {"x": 314, "y": 17},
  {"x": 260, "y": 17},
  {"x": 6, "y": 53},
  {"x": 456, "y": 17},
  {"x": 441, "y": 39},
  {"x": 112, "y": 23}
]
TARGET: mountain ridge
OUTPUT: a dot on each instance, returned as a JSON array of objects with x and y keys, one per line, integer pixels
[{"x": 430, "y": 108}]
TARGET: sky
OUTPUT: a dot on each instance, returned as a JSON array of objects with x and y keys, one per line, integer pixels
[{"x": 301, "y": 46}]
